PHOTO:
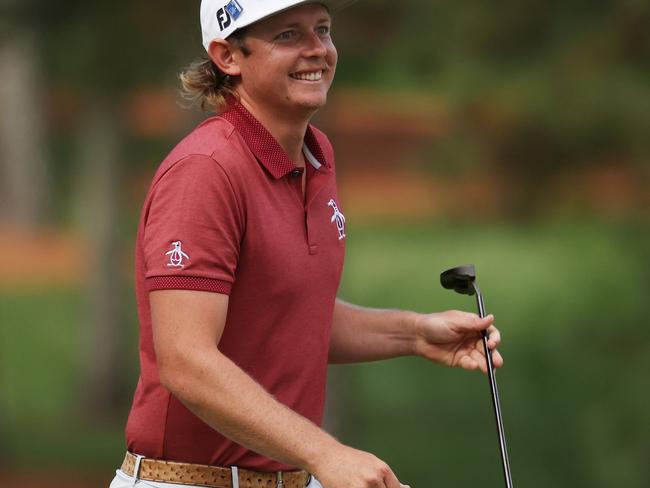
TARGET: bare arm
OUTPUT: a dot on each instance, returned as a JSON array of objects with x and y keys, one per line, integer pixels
[
  {"x": 451, "y": 338},
  {"x": 367, "y": 334},
  {"x": 187, "y": 327}
]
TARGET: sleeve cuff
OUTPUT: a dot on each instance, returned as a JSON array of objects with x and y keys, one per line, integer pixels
[{"x": 188, "y": 283}]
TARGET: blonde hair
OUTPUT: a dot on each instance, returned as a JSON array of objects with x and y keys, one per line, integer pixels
[{"x": 205, "y": 86}]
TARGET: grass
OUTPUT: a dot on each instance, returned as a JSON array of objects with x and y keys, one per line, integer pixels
[
  {"x": 42, "y": 376},
  {"x": 569, "y": 299}
]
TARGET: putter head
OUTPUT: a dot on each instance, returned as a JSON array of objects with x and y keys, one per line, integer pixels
[{"x": 459, "y": 279}]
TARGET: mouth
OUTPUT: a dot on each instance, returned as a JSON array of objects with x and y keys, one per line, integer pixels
[{"x": 316, "y": 75}]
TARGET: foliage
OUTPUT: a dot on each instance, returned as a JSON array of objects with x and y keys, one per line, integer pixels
[
  {"x": 570, "y": 304},
  {"x": 568, "y": 298},
  {"x": 43, "y": 341},
  {"x": 533, "y": 88}
]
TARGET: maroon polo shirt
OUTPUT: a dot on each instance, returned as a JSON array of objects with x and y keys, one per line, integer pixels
[{"x": 226, "y": 214}]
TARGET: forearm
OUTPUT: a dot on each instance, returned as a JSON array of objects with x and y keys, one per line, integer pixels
[
  {"x": 187, "y": 325},
  {"x": 226, "y": 398},
  {"x": 366, "y": 334}
]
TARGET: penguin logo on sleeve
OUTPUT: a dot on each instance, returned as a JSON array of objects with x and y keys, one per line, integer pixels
[{"x": 176, "y": 255}]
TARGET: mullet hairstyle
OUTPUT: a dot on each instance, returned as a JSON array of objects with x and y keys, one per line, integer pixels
[{"x": 205, "y": 86}]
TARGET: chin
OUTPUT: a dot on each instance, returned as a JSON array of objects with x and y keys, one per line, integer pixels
[
  {"x": 315, "y": 105},
  {"x": 312, "y": 103}
]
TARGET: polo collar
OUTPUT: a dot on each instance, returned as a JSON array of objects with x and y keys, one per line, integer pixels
[{"x": 264, "y": 146}]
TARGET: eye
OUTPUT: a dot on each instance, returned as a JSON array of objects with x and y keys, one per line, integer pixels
[
  {"x": 286, "y": 35},
  {"x": 323, "y": 30}
]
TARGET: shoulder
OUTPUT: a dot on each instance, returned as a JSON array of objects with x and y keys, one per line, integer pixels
[
  {"x": 194, "y": 188},
  {"x": 207, "y": 138},
  {"x": 208, "y": 149}
]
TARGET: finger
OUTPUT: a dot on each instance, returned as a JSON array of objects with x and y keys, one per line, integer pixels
[
  {"x": 463, "y": 322},
  {"x": 468, "y": 363},
  {"x": 494, "y": 337},
  {"x": 398, "y": 484},
  {"x": 497, "y": 359},
  {"x": 474, "y": 322},
  {"x": 486, "y": 321},
  {"x": 391, "y": 480},
  {"x": 479, "y": 358}
]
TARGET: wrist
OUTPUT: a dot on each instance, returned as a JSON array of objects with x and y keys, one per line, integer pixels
[
  {"x": 411, "y": 325},
  {"x": 319, "y": 452}
]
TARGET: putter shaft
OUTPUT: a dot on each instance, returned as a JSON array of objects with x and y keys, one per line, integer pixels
[{"x": 494, "y": 392}]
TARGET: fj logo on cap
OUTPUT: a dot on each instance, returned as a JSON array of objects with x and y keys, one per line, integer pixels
[
  {"x": 176, "y": 255},
  {"x": 337, "y": 217},
  {"x": 227, "y": 14}
]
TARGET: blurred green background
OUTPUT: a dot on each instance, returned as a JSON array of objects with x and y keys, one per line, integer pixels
[{"x": 512, "y": 135}]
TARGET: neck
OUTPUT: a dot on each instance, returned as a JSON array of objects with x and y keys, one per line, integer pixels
[{"x": 286, "y": 128}]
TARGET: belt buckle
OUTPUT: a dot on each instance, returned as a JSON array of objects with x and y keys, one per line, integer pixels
[
  {"x": 136, "y": 467},
  {"x": 280, "y": 481}
]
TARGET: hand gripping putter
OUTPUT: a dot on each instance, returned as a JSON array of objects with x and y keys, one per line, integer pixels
[{"x": 463, "y": 280}]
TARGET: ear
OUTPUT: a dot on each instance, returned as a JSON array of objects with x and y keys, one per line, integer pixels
[{"x": 221, "y": 53}]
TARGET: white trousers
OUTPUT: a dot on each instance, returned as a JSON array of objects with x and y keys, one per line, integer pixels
[{"x": 122, "y": 480}]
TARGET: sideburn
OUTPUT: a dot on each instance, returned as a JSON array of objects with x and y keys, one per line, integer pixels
[{"x": 238, "y": 38}]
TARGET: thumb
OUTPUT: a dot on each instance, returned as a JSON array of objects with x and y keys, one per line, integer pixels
[
  {"x": 391, "y": 481},
  {"x": 485, "y": 322}
]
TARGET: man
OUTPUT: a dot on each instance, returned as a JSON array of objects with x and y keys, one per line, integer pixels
[{"x": 239, "y": 255}]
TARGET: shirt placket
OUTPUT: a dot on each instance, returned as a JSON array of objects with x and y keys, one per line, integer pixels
[
  {"x": 294, "y": 179},
  {"x": 313, "y": 215}
]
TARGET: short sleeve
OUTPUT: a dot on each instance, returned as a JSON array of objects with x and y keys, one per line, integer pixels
[{"x": 192, "y": 228}]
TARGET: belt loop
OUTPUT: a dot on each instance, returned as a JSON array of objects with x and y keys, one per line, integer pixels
[
  {"x": 136, "y": 468},
  {"x": 280, "y": 483},
  {"x": 235, "y": 476}
]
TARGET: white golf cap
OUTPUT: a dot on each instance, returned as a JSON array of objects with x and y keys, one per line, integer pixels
[{"x": 220, "y": 18}]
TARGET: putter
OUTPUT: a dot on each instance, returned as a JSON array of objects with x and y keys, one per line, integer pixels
[{"x": 463, "y": 280}]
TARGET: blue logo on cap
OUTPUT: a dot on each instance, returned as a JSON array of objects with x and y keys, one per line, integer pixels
[{"x": 234, "y": 9}]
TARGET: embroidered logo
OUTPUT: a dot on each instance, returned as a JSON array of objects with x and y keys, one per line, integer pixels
[
  {"x": 176, "y": 255},
  {"x": 234, "y": 9},
  {"x": 224, "y": 19},
  {"x": 228, "y": 13},
  {"x": 337, "y": 217}
]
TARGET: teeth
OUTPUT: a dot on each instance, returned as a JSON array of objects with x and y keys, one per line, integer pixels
[{"x": 314, "y": 76}]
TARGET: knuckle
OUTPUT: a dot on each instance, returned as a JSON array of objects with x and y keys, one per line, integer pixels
[{"x": 371, "y": 480}]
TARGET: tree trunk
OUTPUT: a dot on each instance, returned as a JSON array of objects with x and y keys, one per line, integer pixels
[
  {"x": 98, "y": 206},
  {"x": 23, "y": 164}
]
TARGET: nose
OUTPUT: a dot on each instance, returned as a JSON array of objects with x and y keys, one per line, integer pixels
[{"x": 314, "y": 46}]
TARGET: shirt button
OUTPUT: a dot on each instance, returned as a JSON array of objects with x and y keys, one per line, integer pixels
[{"x": 296, "y": 172}]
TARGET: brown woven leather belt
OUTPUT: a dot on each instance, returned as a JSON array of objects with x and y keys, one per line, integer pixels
[{"x": 213, "y": 476}]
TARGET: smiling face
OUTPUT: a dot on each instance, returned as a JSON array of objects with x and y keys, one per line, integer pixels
[{"x": 288, "y": 62}]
